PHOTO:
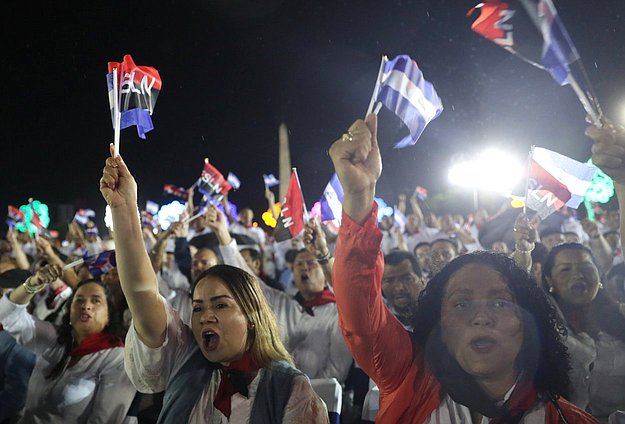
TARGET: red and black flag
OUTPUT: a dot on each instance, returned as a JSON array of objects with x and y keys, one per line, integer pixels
[
  {"x": 139, "y": 87},
  {"x": 212, "y": 182},
  {"x": 293, "y": 213}
]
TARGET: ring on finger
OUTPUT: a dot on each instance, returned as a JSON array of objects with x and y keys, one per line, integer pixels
[{"x": 347, "y": 137}]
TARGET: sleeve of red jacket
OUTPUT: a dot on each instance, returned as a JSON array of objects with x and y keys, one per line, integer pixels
[{"x": 379, "y": 343}]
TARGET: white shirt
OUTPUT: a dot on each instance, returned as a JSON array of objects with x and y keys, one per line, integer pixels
[{"x": 95, "y": 389}]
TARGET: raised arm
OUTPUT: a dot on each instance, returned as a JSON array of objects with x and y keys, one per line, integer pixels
[
  {"x": 138, "y": 280},
  {"x": 69, "y": 276},
  {"x": 315, "y": 242},
  {"x": 375, "y": 337},
  {"x": 608, "y": 153},
  {"x": 20, "y": 257}
]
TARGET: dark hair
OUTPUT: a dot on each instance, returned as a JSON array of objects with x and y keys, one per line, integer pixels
[
  {"x": 450, "y": 241},
  {"x": 539, "y": 253},
  {"x": 65, "y": 337},
  {"x": 543, "y": 355},
  {"x": 254, "y": 253},
  {"x": 290, "y": 255},
  {"x": 604, "y": 311},
  {"x": 398, "y": 256},
  {"x": 420, "y": 244},
  {"x": 549, "y": 231}
]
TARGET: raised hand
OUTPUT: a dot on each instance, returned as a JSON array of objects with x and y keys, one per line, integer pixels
[
  {"x": 44, "y": 276},
  {"x": 524, "y": 234},
  {"x": 315, "y": 239},
  {"x": 357, "y": 161},
  {"x": 117, "y": 185},
  {"x": 217, "y": 222},
  {"x": 44, "y": 247},
  {"x": 608, "y": 149}
]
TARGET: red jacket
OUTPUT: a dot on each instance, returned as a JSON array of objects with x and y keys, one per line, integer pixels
[{"x": 409, "y": 392}]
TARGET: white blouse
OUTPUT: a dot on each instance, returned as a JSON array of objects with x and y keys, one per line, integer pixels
[{"x": 95, "y": 389}]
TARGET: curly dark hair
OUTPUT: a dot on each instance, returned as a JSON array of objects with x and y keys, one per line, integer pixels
[
  {"x": 114, "y": 328},
  {"x": 543, "y": 355}
]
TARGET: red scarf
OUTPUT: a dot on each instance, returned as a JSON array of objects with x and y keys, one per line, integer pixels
[
  {"x": 94, "y": 343},
  {"x": 234, "y": 379},
  {"x": 522, "y": 399},
  {"x": 326, "y": 296}
]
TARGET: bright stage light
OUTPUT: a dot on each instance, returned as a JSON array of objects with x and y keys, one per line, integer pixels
[{"x": 491, "y": 170}]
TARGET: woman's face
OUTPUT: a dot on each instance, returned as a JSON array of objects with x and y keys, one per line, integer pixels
[
  {"x": 481, "y": 325},
  {"x": 574, "y": 277},
  {"x": 219, "y": 325},
  {"x": 89, "y": 312}
]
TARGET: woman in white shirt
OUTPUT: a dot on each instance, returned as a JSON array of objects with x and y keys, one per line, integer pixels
[
  {"x": 230, "y": 366},
  {"x": 79, "y": 375}
]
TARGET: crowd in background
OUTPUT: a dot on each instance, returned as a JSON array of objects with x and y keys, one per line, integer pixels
[{"x": 62, "y": 346}]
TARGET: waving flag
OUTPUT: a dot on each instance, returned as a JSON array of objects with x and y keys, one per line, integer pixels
[
  {"x": 556, "y": 180},
  {"x": 151, "y": 207},
  {"x": 101, "y": 263},
  {"x": 15, "y": 216},
  {"x": 139, "y": 87},
  {"x": 176, "y": 191},
  {"x": 293, "y": 212},
  {"x": 332, "y": 200},
  {"x": 211, "y": 182},
  {"x": 404, "y": 91},
  {"x": 35, "y": 219},
  {"x": 83, "y": 216},
  {"x": 270, "y": 180},
  {"x": 233, "y": 180},
  {"x": 530, "y": 29}
]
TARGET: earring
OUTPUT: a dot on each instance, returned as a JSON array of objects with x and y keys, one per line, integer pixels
[
  {"x": 251, "y": 326},
  {"x": 600, "y": 286},
  {"x": 551, "y": 289}
]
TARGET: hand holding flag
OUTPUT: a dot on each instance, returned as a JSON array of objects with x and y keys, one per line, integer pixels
[
  {"x": 117, "y": 185},
  {"x": 608, "y": 151},
  {"x": 270, "y": 180},
  {"x": 358, "y": 164}
]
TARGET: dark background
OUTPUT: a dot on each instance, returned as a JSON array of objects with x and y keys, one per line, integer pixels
[{"x": 233, "y": 70}]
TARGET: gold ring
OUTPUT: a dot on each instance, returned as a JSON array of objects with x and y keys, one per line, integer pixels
[{"x": 347, "y": 137}]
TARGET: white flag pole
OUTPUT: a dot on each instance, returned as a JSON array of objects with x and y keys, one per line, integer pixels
[
  {"x": 73, "y": 264},
  {"x": 116, "y": 113},
  {"x": 377, "y": 85},
  {"x": 527, "y": 180}
]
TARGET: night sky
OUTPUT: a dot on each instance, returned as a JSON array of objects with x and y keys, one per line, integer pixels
[{"x": 233, "y": 70}]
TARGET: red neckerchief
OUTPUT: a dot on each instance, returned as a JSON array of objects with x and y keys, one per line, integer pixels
[
  {"x": 522, "y": 399},
  {"x": 234, "y": 379},
  {"x": 326, "y": 296},
  {"x": 94, "y": 343}
]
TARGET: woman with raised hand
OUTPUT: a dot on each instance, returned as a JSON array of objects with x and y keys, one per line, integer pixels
[
  {"x": 487, "y": 346},
  {"x": 230, "y": 366},
  {"x": 79, "y": 376}
]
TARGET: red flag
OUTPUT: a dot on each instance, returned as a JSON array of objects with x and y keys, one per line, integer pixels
[
  {"x": 492, "y": 22},
  {"x": 291, "y": 222},
  {"x": 15, "y": 214},
  {"x": 36, "y": 220},
  {"x": 212, "y": 182}
]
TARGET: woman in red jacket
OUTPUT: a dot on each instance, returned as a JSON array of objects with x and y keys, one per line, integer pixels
[{"x": 487, "y": 346}]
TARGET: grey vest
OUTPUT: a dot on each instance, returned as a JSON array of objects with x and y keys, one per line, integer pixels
[{"x": 184, "y": 389}]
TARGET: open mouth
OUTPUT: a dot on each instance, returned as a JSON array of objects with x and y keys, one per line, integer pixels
[
  {"x": 483, "y": 344},
  {"x": 84, "y": 317},
  {"x": 578, "y": 288},
  {"x": 211, "y": 340}
]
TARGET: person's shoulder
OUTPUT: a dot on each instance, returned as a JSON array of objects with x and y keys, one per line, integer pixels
[{"x": 574, "y": 414}]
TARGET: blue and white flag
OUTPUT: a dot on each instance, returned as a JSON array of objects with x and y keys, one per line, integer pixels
[
  {"x": 404, "y": 91},
  {"x": 83, "y": 216},
  {"x": 332, "y": 200},
  {"x": 270, "y": 180},
  {"x": 233, "y": 180},
  {"x": 151, "y": 207}
]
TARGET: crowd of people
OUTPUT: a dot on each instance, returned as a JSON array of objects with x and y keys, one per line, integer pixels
[{"x": 492, "y": 318}]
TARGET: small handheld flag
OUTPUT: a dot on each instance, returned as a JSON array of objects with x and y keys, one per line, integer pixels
[
  {"x": 15, "y": 216},
  {"x": 533, "y": 31},
  {"x": 233, "y": 180},
  {"x": 175, "y": 191},
  {"x": 555, "y": 180},
  {"x": 83, "y": 216},
  {"x": 151, "y": 207},
  {"x": 293, "y": 214},
  {"x": 133, "y": 91},
  {"x": 403, "y": 90},
  {"x": 270, "y": 180},
  {"x": 212, "y": 183},
  {"x": 332, "y": 200},
  {"x": 98, "y": 264}
]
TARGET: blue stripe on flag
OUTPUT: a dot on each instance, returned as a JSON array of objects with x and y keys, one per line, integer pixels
[
  {"x": 332, "y": 200},
  {"x": 139, "y": 117}
]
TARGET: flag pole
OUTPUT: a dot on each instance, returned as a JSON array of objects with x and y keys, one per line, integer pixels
[
  {"x": 527, "y": 180},
  {"x": 73, "y": 264},
  {"x": 377, "y": 85},
  {"x": 116, "y": 114},
  {"x": 583, "y": 98}
]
